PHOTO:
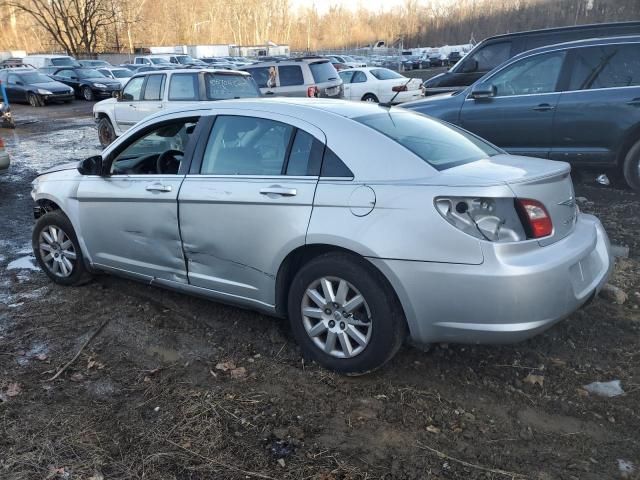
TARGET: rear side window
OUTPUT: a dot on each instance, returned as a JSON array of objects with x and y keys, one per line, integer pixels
[
  {"x": 359, "y": 77},
  {"x": 153, "y": 88},
  {"x": 440, "y": 145},
  {"x": 332, "y": 166},
  {"x": 323, "y": 72},
  {"x": 487, "y": 58},
  {"x": 224, "y": 86},
  {"x": 260, "y": 75},
  {"x": 606, "y": 66},
  {"x": 290, "y": 75},
  {"x": 183, "y": 86},
  {"x": 305, "y": 156}
]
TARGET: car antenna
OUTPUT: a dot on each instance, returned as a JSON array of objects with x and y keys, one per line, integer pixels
[{"x": 390, "y": 102}]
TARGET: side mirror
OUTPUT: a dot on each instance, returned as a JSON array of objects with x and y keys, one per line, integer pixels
[
  {"x": 19, "y": 83},
  {"x": 117, "y": 94},
  {"x": 91, "y": 166},
  {"x": 483, "y": 91},
  {"x": 73, "y": 78},
  {"x": 470, "y": 65}
]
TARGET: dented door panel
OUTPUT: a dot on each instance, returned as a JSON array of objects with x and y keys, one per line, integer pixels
[{"x": 130, "y": 223}]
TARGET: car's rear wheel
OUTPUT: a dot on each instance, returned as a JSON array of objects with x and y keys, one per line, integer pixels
[
  {"x": 631, "y": 166},
  {"x": 57, "y": 251},
  {"x": 106, "y": 132},
  {"x": 35, "y": 100},
  {"x": 344, "y": 314},
  {"x": 370, "y": 97},
  {"x": 87, "y": 94}
]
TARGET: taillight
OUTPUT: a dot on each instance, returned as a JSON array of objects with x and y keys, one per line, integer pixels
[
  {"x": 399, "y": 88},
  {"x": 1, "y": 143},
  {"x": 313, "y": 92},
  {"x": 534, "y": 217}
]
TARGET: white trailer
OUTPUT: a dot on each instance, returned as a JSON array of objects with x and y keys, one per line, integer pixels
[{"x": 207, "y": 51}]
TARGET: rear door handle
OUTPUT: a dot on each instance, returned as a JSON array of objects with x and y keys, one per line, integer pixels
[
  {"x": 543, "y": 107},
  {"x": 157, "y": 187},
  {"x": 278, "y": 190},
  {"x": 635, "y": 102}
]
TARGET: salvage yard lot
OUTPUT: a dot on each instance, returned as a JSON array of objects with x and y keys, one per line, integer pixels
[{"x": 175, "y": 387}]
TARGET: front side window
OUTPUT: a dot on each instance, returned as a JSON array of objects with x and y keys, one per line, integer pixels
[
  {"x": 260, "y": 75},
  {"x": 385, "y": 74},
  {"x": 246, "y": 146},
  {"x": 183, "y": 86},
  {"x": 224, "y": 86},
  {"x": 440, "y": 145},
  {"x": 531, "y": 75},
  {"x": 290, "y": 75},
  {"x": 13, "y": 79},
  {"x": 132, "y": 91},
  {"x": 158, "y": 152},
  {"x": 154, "y": 87},
  {"x": 605, "y": 66},
  {"x": 487, "y": 58}
]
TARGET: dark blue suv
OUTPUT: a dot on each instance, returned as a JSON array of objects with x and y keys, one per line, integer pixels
[{"x": 577, "y": 101}]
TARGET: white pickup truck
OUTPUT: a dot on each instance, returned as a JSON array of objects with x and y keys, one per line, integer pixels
[{"x": 149, "y": 92}]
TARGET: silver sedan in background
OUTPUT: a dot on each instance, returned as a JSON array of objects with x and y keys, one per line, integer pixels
[{"x": 362, "y": 224}]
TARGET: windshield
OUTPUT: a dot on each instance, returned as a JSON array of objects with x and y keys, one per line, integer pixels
[
  {"x": 63, "y": 62},
  {"x": 159, "y": 61},
  {"x": 441, "y": 146},
  {"x": 89, "y": 73},
  {"x": 323, "y": 72},
  {"x": 183, "y": 59},
  {"x": 35, "y": 77},
  {"x": 222, "y": 86},
  {"x": 124, "y": 73},
  {"x": 385, "y": 74}
]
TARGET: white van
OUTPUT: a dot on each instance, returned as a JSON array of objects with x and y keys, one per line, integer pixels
[{"x": 44, "y": 61}]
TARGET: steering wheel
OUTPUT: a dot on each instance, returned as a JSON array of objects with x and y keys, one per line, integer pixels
[{"x": 168, "y": 163}]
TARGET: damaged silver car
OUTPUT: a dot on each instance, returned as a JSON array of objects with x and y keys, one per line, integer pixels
[{"x": 362, "y": 224}]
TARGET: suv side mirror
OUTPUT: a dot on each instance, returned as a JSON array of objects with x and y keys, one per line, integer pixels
[
  {"x": 469, "y": 65},
  {"x": 91, "y": 166},
  {"x": 117, "y": 94},
  {"x": 483, "y": 91}
]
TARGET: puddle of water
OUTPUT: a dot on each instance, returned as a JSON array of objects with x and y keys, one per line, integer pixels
[
  {"x": 166, "y": 354},
  {"x": 24, "y": 263}
]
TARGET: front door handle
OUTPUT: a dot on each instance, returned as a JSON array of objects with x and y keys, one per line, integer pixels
[
  {"x": 278, "y": 190},
  {"x": 543, "y": 107},
  {"x": 634, "y": 103},
  {"x": 157, "y": 187}
]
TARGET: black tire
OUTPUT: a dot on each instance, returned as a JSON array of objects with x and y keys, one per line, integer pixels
[
  {"x": 370, "y": 97},
  {"x": 35, "y": 100},
  {"x": 87, "y": 94},
  {"x": 106, "y": 133},
  {"x": 631, "y": 166},
  {"x": 79, "y": 273},
  {"x": 387, "y": 322}
]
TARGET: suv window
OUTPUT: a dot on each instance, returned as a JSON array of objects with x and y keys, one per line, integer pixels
[
  {"x": 323, "y": 72},
  {"x": 536, "y": 74},
  {"x": 13, "y": 79},
  {"x": 154, "y": 87},
  {"x": 183, "y": 86},
  {"x": 224, "y": 86},
  {"x": 606, "y": 66},
  {"x": 260, "y": 75},
  {"x": 488, "y": 57},
  {"x": 290, "y": 75},
  {"x": 246, "y": 146},
  {"x": 133, "y": 89}
]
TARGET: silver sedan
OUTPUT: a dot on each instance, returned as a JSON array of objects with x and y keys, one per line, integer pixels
[{"x": 362, "y": 224}]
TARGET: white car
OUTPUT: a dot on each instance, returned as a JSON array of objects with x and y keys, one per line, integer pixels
[
  {"x": 347, "y": 60},
  {"x": 119, "y": 74},
  {"x": 149, "y": 92},
  {"x": 375, "y": 84}
]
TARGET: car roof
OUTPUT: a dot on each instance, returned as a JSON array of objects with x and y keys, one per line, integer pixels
[
  {"x": 590, "y": 26},
  {"x": 292, "y": 60},
  {"x": 579, "y": 43},
  {"x": 194, "y": 70}
]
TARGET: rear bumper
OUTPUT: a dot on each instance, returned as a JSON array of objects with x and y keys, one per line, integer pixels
[
  {"x": 408, "y": 96},
  {"x": 518, "y": 291}
]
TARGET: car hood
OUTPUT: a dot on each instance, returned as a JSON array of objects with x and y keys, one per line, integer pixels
[
  {"x": 60, "y": 168},
  {"x": 51, "y": 85},
  {"x": 105, "y": 103},
  {"x": 432, "y": 100}
]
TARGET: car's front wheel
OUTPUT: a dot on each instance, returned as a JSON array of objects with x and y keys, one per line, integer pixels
[
  {"x": 87, "y": 94},
  {"x": 344, "y": 314},
  {"x": 35, "y": 100},
  {"x": 106, "y": 132},
  {"x": 57, "y": 251},
  {"x": 631, "y": 166}
]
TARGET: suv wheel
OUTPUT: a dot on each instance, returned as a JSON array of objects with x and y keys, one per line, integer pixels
[
  {"x": 87, "y": 94},
  {"x": 631, "y": 166},
  {"x": 57, "y": 251},
  {"x": 35, "y": 100},
  {"x": 344, "y": 314},
  {"x": 370, "y": 97},
  {"x": 106, "y": 133}
]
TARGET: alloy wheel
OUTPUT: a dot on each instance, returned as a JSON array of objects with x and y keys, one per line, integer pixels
[
  {"x": 57, "y": 251},
  {"x": 336, "y": 317}
]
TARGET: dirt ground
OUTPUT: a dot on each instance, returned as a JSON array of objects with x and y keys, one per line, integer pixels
[{"x": 175, "y": 387}]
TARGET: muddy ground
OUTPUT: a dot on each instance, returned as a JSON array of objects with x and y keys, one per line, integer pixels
[{"x": 159, "y": 392}]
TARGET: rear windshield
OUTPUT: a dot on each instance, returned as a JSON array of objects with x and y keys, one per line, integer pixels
[
  {"x": 323, "y": 72},
  {"x": 63, "y": 62},
  {"x": 222, "y": 86},
  {"x": 385, "y": 74},
  {"x": 441, "y": 146}
]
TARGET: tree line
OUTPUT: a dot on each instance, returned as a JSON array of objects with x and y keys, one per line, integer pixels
[{"x": 90, "y": 26}]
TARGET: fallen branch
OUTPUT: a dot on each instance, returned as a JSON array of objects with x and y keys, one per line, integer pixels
[
  {"x": 220, "y": 464},
  {"x": 440, "y": 454},
  {"x": 75, "y": 357}
]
